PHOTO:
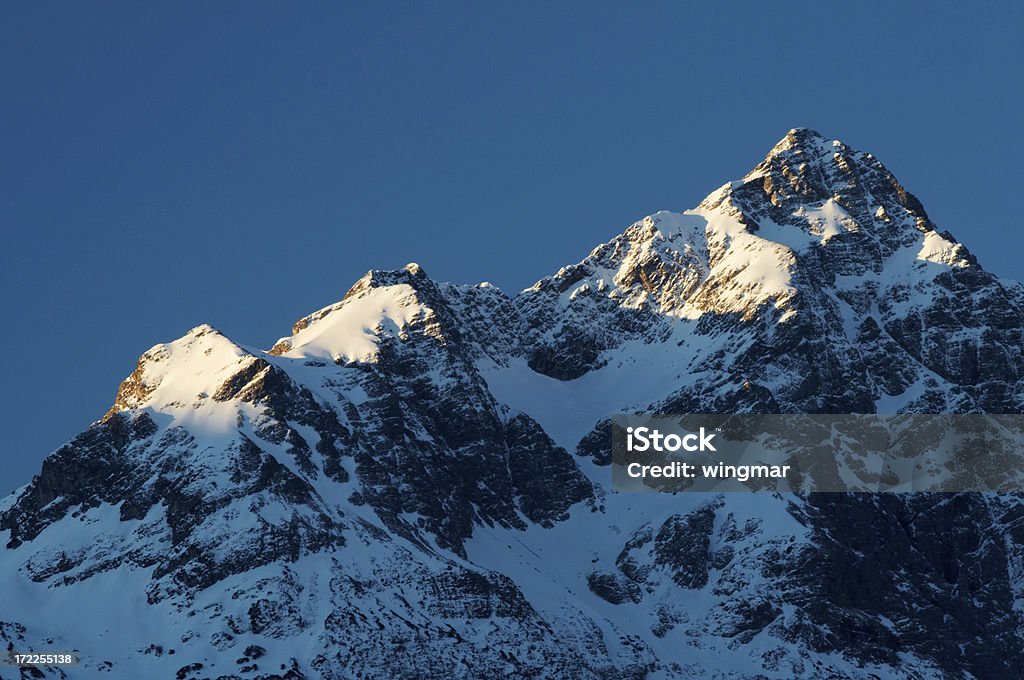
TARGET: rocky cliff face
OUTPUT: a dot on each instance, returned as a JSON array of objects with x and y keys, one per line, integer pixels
[{"x": 414, "y": 483}]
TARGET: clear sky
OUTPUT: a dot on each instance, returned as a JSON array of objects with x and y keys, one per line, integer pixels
[{"x": 242, "y": 163}]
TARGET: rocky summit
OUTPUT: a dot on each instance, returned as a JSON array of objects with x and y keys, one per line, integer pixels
[{"x": 415, "y": 482}]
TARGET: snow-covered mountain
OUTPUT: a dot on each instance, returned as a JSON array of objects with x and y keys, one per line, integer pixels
[{"x": 415, "y": 482}]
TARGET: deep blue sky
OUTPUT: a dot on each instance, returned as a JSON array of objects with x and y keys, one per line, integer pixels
[{"x": 243, "y": 163}]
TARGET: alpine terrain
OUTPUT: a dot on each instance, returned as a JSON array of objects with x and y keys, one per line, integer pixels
[{"x": 415, "y": 482}]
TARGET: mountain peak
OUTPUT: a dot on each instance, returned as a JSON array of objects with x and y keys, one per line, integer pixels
[
  {"x": 381, "y": 302},
  {"x": 805, "y": 170},
  {"x": 801, "y": 137},
  {"x": 799, "y": 151},
  {"x": 803, "y": 143},
  {"x": 411, "y": 274}
]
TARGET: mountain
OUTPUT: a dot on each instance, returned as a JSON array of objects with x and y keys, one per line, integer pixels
[{"x": 415, "y": 482}]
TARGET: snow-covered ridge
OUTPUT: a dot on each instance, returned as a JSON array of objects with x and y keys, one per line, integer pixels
[
  {"x": 414, "y": 482},
  {"x": 667, "y": 278}
]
